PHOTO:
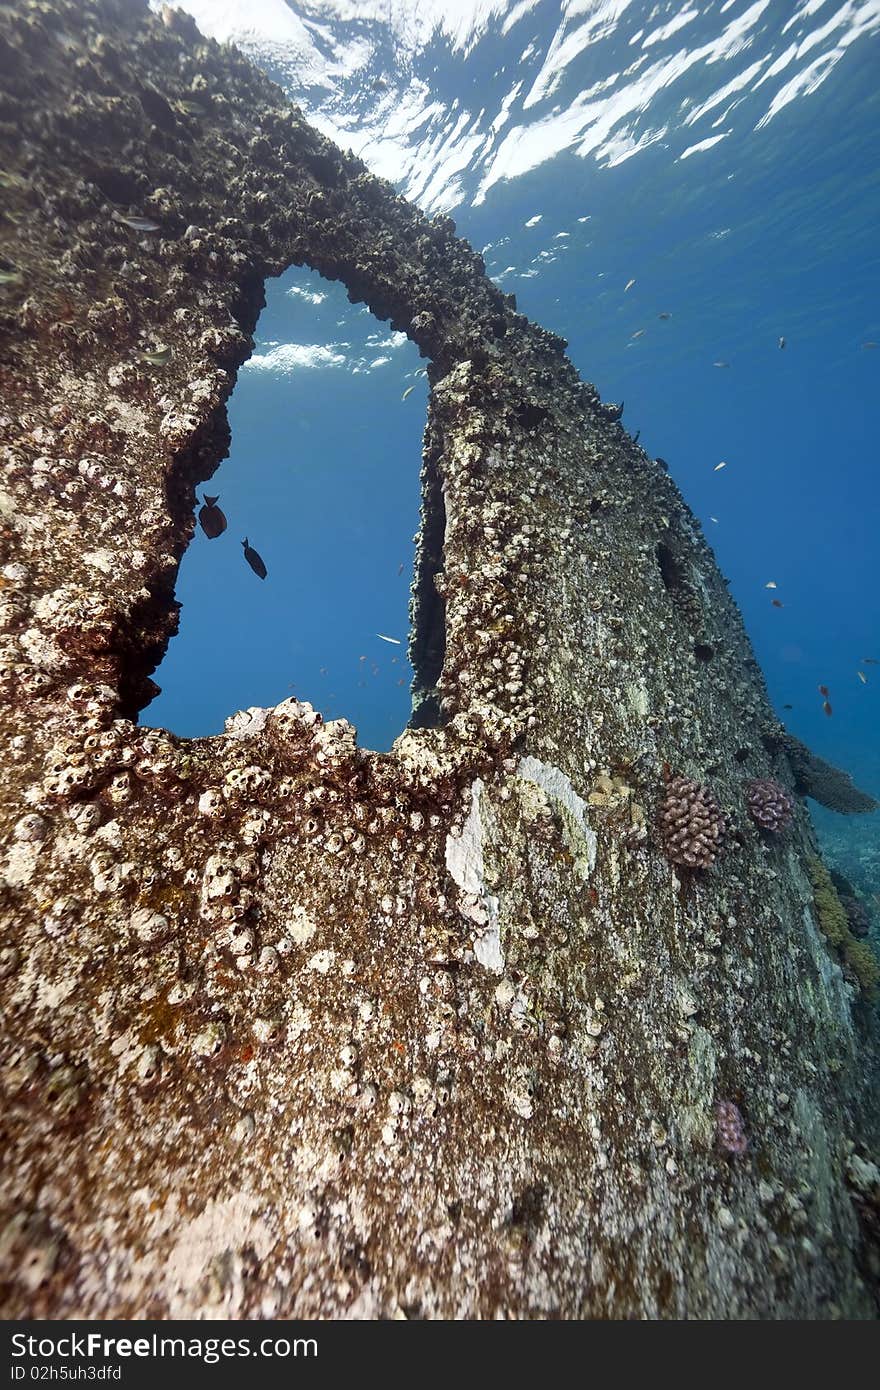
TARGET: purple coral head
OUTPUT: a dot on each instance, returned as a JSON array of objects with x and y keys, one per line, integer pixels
[
  {"x": 770, "y": 805},
  {"x": 691, "y": 823},
  {"x": 730, "y": 1129}
]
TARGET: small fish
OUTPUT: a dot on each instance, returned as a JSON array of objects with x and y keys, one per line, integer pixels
[
  {"x": 777, "y": 603},
  {"x": 771, "y": 584},
  {"x": 636, "y": 436},
  {"x": 870, "y": 345},
  {"x": 254, "y": 560},
  {"x": 664, "y": 316},
  {"x": 399, "y": 570},
  {"x": 781, "y": 343},
  {"x": 870, "y": 661},
  {"x": 407, "y": 392},
  {"x": 11, "y": 277},
  {"x": 827, "y": 708},
  {"x": 395, "y": 641},
  {"x": 720, "y": 364},
  {"x": 189, "y": 108},
  {"x": 211, "y": 519},
  {"x": 137, "y": 224},
  {"x": 714, "y": 518},
  {"x": 628, "y": 286},
  {"x": 823, "y": 690},
  {"x": 663, "y": 464},
  {"x": 160, "y": 358},
  {"x": 788, "y": 706},
  {"x": 722, "y": 464},
  {"x": 639, "y": 333},
  {"x": 862, "y": 677},
  {"x": 8, "y": 180}
]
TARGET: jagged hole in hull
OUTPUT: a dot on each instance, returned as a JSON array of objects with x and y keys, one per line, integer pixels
[{"x": 323, "y": 480}]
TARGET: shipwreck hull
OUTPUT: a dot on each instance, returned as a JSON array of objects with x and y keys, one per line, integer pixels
[{"x": 292, "y": 1028}]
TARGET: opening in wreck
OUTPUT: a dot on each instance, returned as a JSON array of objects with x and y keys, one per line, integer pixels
[{"x": 322, "y": 480}]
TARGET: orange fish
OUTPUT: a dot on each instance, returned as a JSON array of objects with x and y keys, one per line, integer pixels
[{"x": 826, "y": 707}]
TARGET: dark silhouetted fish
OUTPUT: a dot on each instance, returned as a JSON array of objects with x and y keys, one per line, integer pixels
[
  {"x": 211, "y": 519},
  {"x": 826, "y": 707},
  {"x": 254, "y": 560},
  {"x": 636, "y": 436},
  {"x": 663, "y": 464},
  {"x": 788, "y": 706}
]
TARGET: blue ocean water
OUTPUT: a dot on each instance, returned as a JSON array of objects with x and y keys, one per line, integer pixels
[{"x": 616, "y": 161}]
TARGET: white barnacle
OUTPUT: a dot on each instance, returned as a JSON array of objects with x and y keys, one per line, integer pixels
[
  {"x": 211, "y": 803},
  {"x": 148, "y": 925},
  {"x": 208, "y": 1041}
]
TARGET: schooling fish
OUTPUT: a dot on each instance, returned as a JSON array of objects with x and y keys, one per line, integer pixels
[
  {"x": 777, "y": 603},
  {"x": 639, "y": 333},
  {"x": 160, "y": 358},
  {"x": 827, "y": 708},
  {"x": 720, "y": 364},
  {"x": 394, "y": 640},
  {"x": 407, "y": 392},
  {"x": 788, "y": 706},
  {"x": 823, "y": 690},
  {"x": 862, "y": 677},
  {"x": 664, "y": 316},
  {"x": 771, "y": 584},
  {"x": 663, "y": 464},
  {"x": 211, "y": 519},
  {"x": 870, "y": 661},
  {"x": 254, "y": 560},
  {"x": 628, "y": 286},
  {"x": 781, "y": 343}
]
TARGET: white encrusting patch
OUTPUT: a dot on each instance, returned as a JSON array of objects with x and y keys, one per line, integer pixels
[
  {"x": 554, "y": 783},
  {"x": 464, "y": 860}
]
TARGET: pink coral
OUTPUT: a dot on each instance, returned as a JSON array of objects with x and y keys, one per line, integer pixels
[
  {"x": 770, "y": 805},
  {"x": 731, "y": 1129}
]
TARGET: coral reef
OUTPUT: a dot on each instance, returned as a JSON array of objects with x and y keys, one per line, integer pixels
[
  {"x": 858, "y": 955},
  {"x": 692, "y": 825},
  {"x": 815, "y": 777},
  {"x": 769, "y": 804}
]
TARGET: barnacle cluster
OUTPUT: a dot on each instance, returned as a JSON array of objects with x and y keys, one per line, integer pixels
[
  {"x": 770, "y": 805},
  {"x": 692, "y": 824}
]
